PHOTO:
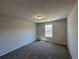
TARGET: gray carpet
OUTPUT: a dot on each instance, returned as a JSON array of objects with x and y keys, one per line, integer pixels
[{"x": 39, "y": 50}]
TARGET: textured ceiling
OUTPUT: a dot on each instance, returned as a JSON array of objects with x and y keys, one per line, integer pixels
[{"x": 28, "y": 9}]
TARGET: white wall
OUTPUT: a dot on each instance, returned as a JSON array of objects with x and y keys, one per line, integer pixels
[
  {"x": 72, "y": 24},
  {"x": 59, "y": 32},
  {"x": 15, "y": 33}
]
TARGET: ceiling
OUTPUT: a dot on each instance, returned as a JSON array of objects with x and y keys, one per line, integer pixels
[{"x": 28, "y": 9}]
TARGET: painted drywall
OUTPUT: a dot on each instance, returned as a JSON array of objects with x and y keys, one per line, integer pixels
[
  {"x": 40, "y": 31},
  {"x": 59, "y": 32},
  {"x": 15, "y": 33},
  {"x": 72, "y": 27}
]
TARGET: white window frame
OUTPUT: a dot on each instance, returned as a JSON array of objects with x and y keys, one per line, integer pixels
[{"x": 48, "y": 36}]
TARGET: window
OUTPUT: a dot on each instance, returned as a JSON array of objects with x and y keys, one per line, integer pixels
[{"x": 48, "y": 30}]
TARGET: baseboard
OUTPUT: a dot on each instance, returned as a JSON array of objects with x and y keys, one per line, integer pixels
[
  {"x": 14, "y": 49},
  {"x": 55, "y": 43},
  {"x": 69, "y": 52}
]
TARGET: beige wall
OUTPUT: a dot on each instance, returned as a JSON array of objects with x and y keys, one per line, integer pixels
[
  {"x": 59, "y": 32},
  {"x": 15, "y": 33},
  {"x": 72, "y": 27},
  {"x": 40, "y": 31}
]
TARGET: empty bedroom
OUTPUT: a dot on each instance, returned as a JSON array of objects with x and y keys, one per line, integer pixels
[{"x": 38, "y": 29}]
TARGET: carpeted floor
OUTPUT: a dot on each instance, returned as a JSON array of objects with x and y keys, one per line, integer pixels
[{"x": 39, "y": 50}]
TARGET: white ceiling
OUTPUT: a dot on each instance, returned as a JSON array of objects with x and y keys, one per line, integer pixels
[{"x": 27, "y": 9}]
